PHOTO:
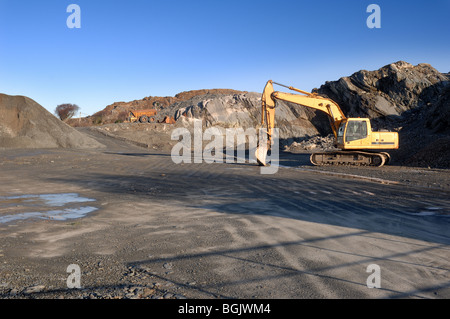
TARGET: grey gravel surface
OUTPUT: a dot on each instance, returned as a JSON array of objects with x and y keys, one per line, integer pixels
[{"x": 169, "y": 231}]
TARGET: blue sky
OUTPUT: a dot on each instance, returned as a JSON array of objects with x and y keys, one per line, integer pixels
[{"x": 127, "y": 50}]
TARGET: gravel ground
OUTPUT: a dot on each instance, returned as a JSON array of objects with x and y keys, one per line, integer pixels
[{"x": 166, "y": 231}]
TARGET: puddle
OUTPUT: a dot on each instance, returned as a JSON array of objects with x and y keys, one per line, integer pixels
[
  {"x": 432, "y": 211},
  {"x": 13, "y": 208}
]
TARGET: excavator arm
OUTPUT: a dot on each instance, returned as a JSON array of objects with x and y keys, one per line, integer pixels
[{"x": 307, "y": 99}]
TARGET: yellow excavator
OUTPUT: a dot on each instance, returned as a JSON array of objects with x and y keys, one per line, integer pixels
[{"x": 358, "y": 144}]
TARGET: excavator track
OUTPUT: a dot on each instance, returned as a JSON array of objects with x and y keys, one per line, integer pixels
[{"x": 357, "y": 158}]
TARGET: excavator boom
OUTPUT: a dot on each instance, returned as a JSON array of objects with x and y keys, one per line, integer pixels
[{"x": 307, "y": 99}]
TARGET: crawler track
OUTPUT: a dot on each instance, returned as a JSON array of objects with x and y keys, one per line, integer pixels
[{"x": 357, "y": 158}]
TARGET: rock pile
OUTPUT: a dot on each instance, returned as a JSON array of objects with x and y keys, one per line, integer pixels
[
  {"x": 26, "y": 124},
  {"x": 244, "y": 110},
  {"x": 313, "y": 144},
  {"x": 386, "y": 94},
  {"x": 119, "y": 111}
]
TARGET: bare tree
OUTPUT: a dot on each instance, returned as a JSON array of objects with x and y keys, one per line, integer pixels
[{"x": 66, "y": 111}]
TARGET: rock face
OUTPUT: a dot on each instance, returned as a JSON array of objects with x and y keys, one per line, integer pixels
[
  {"x": 438, "y": 118},
  {"x": 244, "y": 110},
  {"x": 118, "y": 111},
  {"x": 26, "y": 124},
  {"x": 224, "y": 108},
  {"x": 388, "y": 94}
]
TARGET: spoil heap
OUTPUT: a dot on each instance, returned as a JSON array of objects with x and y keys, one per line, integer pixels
[{"x": 26, "y": 124}]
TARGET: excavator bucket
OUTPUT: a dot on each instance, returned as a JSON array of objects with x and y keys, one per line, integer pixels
[
  {"x": 267, "y": 119},
  {"x": 261, "y": 154}
]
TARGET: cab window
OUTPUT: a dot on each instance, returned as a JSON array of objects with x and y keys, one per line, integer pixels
[
  {"x": 356, "y": 130},
  {"x": 341, "y": 130}
]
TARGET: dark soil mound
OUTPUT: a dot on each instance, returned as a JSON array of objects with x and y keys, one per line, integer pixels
[{"x": 26, "y": 124}]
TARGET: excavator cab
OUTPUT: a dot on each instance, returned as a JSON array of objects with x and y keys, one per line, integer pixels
[{"x": 357, "y": 134}]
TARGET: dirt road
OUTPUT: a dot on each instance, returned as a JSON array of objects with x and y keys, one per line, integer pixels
[{"x": 155, "y": 229}]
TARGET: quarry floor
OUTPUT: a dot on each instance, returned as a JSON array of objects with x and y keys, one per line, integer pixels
[{"x": 156, "y": 229}]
